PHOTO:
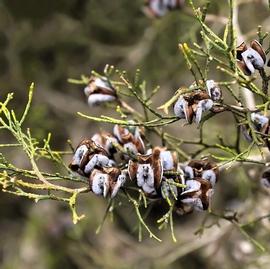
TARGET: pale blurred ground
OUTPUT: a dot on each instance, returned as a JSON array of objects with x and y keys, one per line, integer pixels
[{"x": 49, "y": 41}]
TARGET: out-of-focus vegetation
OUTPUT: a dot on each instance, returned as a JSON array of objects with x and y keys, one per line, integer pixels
[{"x": 50, "y": 41}]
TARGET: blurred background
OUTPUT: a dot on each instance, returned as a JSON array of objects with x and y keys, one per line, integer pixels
[{"x": 47, "y": 42}]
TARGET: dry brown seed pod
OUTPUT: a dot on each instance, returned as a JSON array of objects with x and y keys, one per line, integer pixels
[
  {"x": 106, "y": 141},
  {"x": 147, "y": 171},
  {"x": 202, "y": 169},
  {"x": 99, "y": 90},
  {"x": 131, "y": 139},
  {"x": 250, "y": 58},
  {"x": 106, "y": 180},
  {"x": 192, "y": 105},
  {"x": 88, "y": 155},
  {"x": 82, "y": 152},
  {"x": 199, "y": 198},
  {"x": 262, "y": 125}
]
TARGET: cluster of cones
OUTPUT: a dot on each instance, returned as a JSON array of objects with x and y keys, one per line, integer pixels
[
  {"x": 156, "y": 171},
  {"x": 111, "y": 160}
]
